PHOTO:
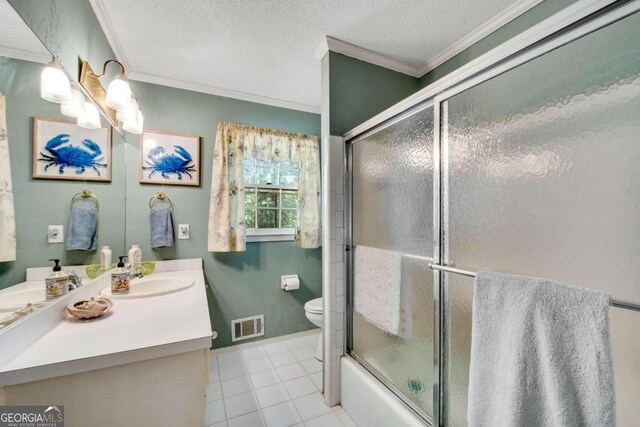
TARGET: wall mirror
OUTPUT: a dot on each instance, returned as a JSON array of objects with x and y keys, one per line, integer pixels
[{"x": 55, "y": 172}]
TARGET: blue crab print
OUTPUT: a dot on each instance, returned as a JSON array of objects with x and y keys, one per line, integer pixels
[
  {"x": 72, "y": 156},
  {"x": 179, "y": 163}
]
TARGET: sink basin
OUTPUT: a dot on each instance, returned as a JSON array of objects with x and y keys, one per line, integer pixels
[
  {"x": 151, "y": 287},
  {"x": 12, "y": 301}
]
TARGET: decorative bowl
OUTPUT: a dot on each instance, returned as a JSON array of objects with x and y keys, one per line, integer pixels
[{"x": 88, "y": 309}]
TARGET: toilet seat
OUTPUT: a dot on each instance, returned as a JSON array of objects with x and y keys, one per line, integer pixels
[{"x": 314, "y": 306}]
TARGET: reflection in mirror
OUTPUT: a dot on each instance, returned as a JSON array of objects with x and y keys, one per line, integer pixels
[{"x": 61, "y": 185}]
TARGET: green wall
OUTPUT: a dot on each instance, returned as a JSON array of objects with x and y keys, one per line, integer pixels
[
  {"x": 39, "y": 203},
  {"x": 240, "y": 284},
  {"x": 359, "y": 90}
]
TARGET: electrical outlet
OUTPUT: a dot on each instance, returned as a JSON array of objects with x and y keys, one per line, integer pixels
[
  {"x": 55, "y": 234},
  {"x": 183, "y": 231}
]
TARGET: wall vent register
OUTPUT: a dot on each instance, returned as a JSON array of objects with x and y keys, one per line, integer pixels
[{"x": 249, "y": 327}]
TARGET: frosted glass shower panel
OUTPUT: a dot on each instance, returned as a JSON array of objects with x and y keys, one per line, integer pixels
[
  {"x": 542, "y": 179},
  {"x": 392, "y": 192}
]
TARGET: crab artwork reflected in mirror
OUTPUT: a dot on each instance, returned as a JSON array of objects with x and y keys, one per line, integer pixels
[
  {"x": 169, "y": 158},
  {"x": 63, "y": 150}
]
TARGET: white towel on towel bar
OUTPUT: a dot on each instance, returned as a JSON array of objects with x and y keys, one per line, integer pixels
[
  {"x": 540, "y": 354},
  {"x": 380, "y": 295}
]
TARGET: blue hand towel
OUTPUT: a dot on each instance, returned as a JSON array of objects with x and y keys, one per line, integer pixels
[
  {"x": 161, "y": 222},
  {"x": 82, "y": 231}
]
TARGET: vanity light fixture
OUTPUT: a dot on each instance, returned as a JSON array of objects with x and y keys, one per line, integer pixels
[
  {"x": 119, "y": 103},
  {"x": 75, "y": 107},
  {"x": 54, "y": 84},
  {"x": 90, "y": 117}
]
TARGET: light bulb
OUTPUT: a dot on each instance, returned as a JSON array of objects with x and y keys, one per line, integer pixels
[
  {"x": 128, "y": 112},
  {"x": 134, "y": 126},
  {"x": 118, "y": 93},
  {"x": 75, "y": 106},
  {"x": 54, "y": 84},
  {"x": 90, "y": 117}
]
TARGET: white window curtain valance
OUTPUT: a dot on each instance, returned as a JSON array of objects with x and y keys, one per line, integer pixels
[{"x": 226, "y": 210}]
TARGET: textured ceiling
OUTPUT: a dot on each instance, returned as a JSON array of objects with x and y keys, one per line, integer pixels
[
  {"x": 265, "y": 48},
  {"x": 16, "y": 39}
]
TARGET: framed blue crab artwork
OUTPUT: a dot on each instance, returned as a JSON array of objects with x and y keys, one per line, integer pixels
[
  {"x": 169, "y": 158},
  {"x": 64, "y": 150}
]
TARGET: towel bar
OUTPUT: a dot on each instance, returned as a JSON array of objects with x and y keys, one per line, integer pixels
[
  {"x": 161, "y": 197},
  {"x": 628, "y": 305},
  {"x": 86, "y": 194}
]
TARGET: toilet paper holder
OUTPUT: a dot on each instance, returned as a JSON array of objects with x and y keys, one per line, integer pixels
[{"x": 290, "y": 282}]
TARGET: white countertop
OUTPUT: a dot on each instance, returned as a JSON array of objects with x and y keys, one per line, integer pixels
[{"x": 135, "y": 329}]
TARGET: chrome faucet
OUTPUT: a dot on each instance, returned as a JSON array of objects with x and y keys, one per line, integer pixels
[{"x": 74, "y": 281}]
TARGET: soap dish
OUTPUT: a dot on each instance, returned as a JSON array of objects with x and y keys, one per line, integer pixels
[{"x": 88, "y": 309}]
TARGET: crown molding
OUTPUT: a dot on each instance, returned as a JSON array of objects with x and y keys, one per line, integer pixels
[
  {"x": 366, "y": 55},
  {"x": 25, "y": 55},
  {"x": 227, "y": 93},
  {"x": 503, "y": 18},
  {"x": 357, "y": 52}
]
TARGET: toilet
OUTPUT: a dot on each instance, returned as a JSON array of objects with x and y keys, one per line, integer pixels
[{"x": 313, "y": 310}]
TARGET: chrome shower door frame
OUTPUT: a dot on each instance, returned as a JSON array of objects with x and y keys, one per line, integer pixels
[{"x": 580, "y": 20}]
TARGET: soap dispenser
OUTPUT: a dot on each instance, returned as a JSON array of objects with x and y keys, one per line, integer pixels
[
  {"x": 120, "y": 278},
  {"x": 57, "y": 284}
]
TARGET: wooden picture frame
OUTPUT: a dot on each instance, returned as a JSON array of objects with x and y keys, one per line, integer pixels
[
  {"x": 169, "y": 158},
  {"x": 62, "y": 150}
]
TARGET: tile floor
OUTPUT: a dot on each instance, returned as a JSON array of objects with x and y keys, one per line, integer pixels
[{"x": 274, "y": 385}]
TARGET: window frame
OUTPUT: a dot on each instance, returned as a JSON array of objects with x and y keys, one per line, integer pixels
[{"x": 256, "y": 234}]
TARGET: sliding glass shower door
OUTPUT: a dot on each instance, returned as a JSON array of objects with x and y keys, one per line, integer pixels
[
  {"x": 541, "y": 177},
  {"x": 392, "y": 246}
]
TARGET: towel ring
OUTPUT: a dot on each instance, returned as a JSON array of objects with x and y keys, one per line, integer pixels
[
  {"x": 86, "y": 194},
  {"x": 161, "y": 197}
]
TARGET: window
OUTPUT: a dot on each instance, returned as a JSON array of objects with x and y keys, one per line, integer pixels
[{"x": 270, "y": 200}]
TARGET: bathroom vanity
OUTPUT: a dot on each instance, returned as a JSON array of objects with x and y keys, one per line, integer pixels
[{"x": 121, "y": 369}]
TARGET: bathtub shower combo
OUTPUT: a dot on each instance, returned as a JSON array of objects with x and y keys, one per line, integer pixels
[{"x": 529, "y": 164}]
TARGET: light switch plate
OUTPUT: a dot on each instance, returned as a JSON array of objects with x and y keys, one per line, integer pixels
[
  {"x": 55, "y": 234},
  {"x": 183, "y": 231}
]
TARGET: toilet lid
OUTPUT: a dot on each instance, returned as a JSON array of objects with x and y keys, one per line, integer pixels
[{"x": 315, "y": 305}]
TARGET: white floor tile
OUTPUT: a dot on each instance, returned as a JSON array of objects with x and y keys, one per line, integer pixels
[
  {"x": 220, "y": 424},
  {"x": 296, "y": 343},
  {"x": 272, "y": 395},
  {"x": 311, "y": 366},
  {"x": 281, "y": 415},
  {"x": 300, "y": 387},
  {"x": 252, "y": 353},
  {"x": 258, "y": 365},
  {"x": 229, "y": 358},
  {"x": 232, "y": 371},
  {"x": 275, "y": 348},
  {"x": 326, "y": 420},
  {"x": 213, "y": 362},
  {"x": 317, "y": 379},
  {"x": 253, "y": 419},
  {"x": 214, "y": 412},
  {"x": 344, "y": 418},
  {"x": 289, "y": 372},
  {"x": 281, "y": 359},
  {"x": 214, "y": 392},
  {"x": 236, "y": 386},
  {"x": 240, "y": 404},
  {"x": 312, "y": 339},
  {"x": 304, "y": 353},
  {"x": 311, "y": 406},
  {"x": 264, "y": 378},
  {"x": 214, "y": 376}
]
